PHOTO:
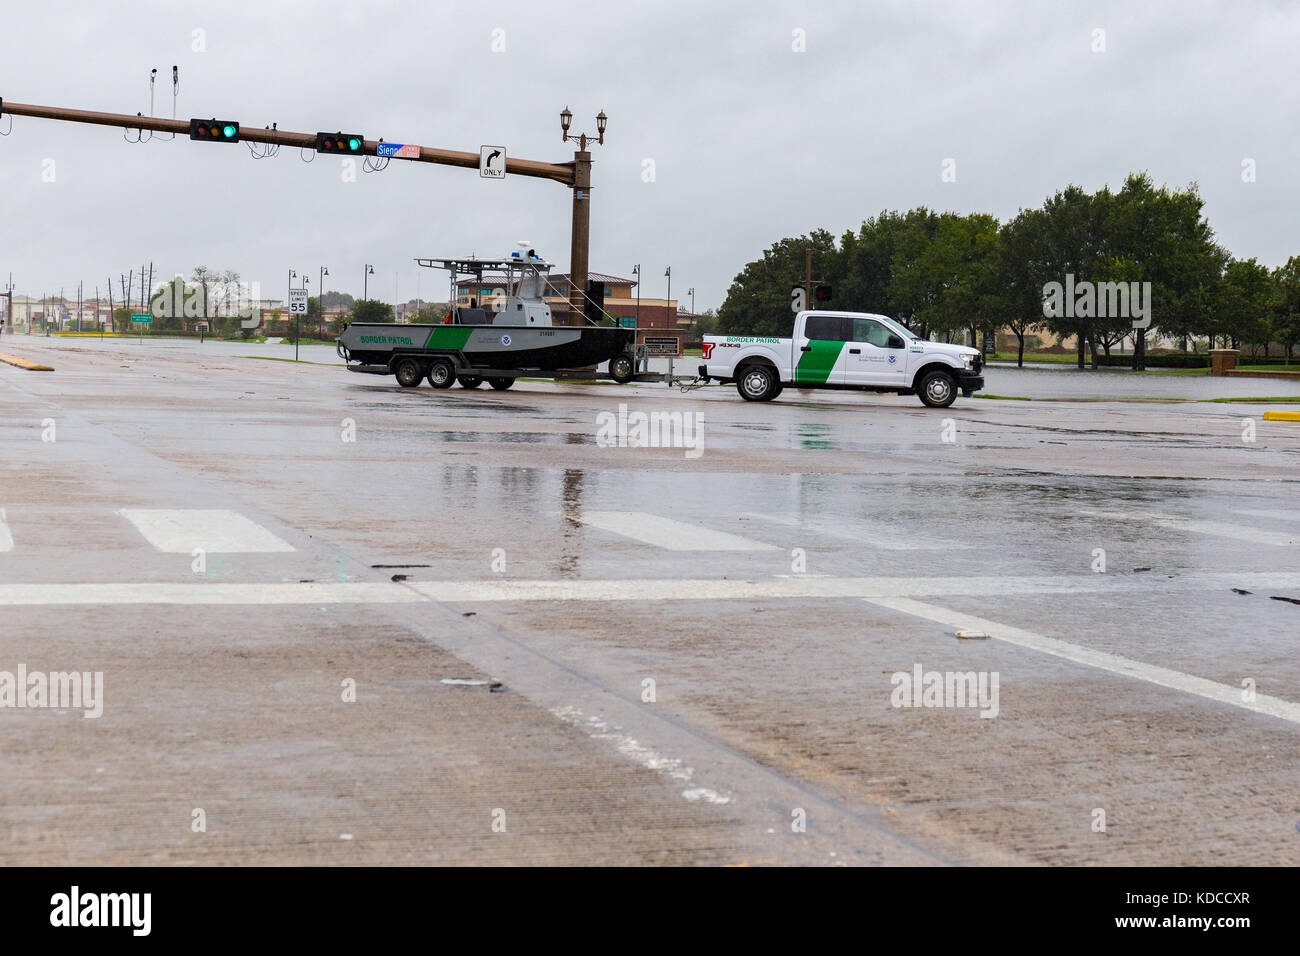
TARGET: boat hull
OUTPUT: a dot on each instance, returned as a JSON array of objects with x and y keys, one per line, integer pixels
[{"x": 527, "y": 348}]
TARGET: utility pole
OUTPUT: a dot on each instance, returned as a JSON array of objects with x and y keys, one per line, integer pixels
[
  {"x": 636, "y": 271},
  {"x": 575, "y": 175},
  {"x": 581, "y": 234},
  {"x": 807, "y": 279},
  {"x": 78, "y": 306}
]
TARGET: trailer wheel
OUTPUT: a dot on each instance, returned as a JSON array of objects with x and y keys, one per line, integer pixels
[
  {"x": 937, "y": 389},
  {"x": 408, "y": 373},
  {"x": 758, "y": 383},
  {"x": 470, "y": 381},
  {"x": 442, "y": 374},
  {"x": 621, "y": 369},
  {"x": 501, "y": 384}
]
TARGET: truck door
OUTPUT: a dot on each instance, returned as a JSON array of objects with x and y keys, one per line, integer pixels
[
  {"x": 875, "y": 354},
  {"x": 819, "y": 350}
]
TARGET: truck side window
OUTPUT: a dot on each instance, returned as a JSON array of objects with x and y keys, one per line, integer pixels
[
  {"x": 826, "y": 328},
  {"x": 871, "y": 332}
]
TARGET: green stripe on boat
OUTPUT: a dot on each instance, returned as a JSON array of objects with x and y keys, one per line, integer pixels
[{"x": 449, "y": 337}]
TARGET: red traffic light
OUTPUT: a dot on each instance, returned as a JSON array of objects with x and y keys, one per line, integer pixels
[{"x": 822, "y": 293}]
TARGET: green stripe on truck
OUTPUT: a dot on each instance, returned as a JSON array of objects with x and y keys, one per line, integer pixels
[
  {"x": 815, "y": 365},
  {"x": 448, "y": 337}
]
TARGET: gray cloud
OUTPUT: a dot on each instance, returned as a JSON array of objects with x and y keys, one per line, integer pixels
[{"x": 750, "y": 140}]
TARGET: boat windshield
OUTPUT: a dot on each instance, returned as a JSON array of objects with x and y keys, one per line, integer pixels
[{"x": 530, "y": 285}]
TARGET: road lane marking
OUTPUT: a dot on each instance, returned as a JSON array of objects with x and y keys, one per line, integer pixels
[
  {"x": 786, "y": 586},
  {"x": 636, "y": 589},
  {"x": 879, "y": 537},
  {"x": 1217, "y": 528},
  {"x": 6, "y": 539},
  {"x": 1264, "y": 513},
  {"x": 357, "y": 592},
  {"x": 1162, "y": 676},
  {"x": 667, "y": 533},
  {"x": 216, "y": 531}
]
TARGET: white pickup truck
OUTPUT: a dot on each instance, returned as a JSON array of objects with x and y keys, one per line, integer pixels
[{"x": 843, "y": 350}]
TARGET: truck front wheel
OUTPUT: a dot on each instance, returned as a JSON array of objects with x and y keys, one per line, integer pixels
[
  {"x": 937, "y": 389},
  {"x": 758, "y": 383},
  {"x": 408, "y": 373},
  {"x": 442, "y": 374}
]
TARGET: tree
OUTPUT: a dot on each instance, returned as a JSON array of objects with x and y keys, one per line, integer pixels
[
  {"x": 758, "y": 302},
  {"x": 372, "y": 310},
  {"x": 1020, "y": 276},
  {"x": 1284, "y": 306},
  {"x": 1242, "y": 302}
]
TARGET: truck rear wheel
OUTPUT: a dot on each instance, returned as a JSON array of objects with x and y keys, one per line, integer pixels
[
  {"x": 758, "y": 383},
  {"x": 937, "y": 389},
  {"x": 442, "y": 374},
  {"x": 408, "y": 373},
  {"x": 501, "y": 384},
  {"x": 621, "y": 369},
  {"x": 470, "y": 381}
]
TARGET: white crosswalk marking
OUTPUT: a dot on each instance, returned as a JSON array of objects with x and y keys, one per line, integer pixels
[
  {"x": 6, "y": 539},
  {"x": 1115, "y": 664},
  {"x": 1219, "y": 529},
  {"x": 1276, "y": 515},
  {"x": 876, "y": 537},
  {"x": 215, "y": 531},
  {"x": 667, "y": 533}
]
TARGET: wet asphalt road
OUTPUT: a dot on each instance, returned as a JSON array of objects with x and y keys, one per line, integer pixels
[{"x": 695, "y": 651}]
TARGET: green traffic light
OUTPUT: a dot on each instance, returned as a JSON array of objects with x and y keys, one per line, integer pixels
[
  {"x": 354, "y": 144},
  {"x": 228, "y": 131}
]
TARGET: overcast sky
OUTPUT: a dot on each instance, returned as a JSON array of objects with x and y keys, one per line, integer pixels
[{"x": 750, "y": 139}]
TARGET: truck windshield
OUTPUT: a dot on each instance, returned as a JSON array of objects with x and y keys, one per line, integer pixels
[{"x": 902, "y": 330}]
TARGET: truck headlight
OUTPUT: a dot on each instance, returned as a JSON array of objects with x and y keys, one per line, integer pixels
[{"x": 968, "y": 361}]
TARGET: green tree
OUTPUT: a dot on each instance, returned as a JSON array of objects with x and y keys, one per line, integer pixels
[
  {"x": 758, "y": 302},
  {"x": 1020, "y": 273},
  {"x": 1242, "y": 303},
  {"x": 1284, "y": 306},
  {"x": 372, "y": 310}
]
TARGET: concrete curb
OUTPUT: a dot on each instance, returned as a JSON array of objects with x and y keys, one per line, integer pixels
[{"x": 25, "y": 363}]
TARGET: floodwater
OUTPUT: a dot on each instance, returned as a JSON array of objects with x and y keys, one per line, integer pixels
[{"x": 1042, "y": 381}]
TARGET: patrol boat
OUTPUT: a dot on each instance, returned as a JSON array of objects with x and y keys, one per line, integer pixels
[{"x": 503, "y": 332}]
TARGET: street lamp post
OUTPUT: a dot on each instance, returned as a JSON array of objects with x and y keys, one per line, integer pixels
[
  {"x": 320, "y": 303},
  {"x": 669, "y": 301},
  {"x": 581, "y": 210},
  {"x": 636, "y": 271},
  {"x": 292, "y": 274},
  {"x": 365, "y": 281},
  {"x": 691, "y": 293}
]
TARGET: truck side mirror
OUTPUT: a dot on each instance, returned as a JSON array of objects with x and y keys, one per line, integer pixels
[{"x": 895, "y": 342}]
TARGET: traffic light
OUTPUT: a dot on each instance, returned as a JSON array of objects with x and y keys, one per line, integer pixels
[
  {"x": 593, "y": 307},
  {"x": 215, "y": 131},
  {"x": 822, "y": 293},
  {"x": 348, "y": 143}
]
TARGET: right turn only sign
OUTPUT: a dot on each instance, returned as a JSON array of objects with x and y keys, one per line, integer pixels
[{"x": 492, "y": 162}]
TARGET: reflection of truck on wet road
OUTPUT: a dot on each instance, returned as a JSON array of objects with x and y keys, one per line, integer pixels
[{"x": 844, "y": 350}]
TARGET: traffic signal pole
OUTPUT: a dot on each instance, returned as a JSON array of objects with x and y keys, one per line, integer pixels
[{"x": 576, "y": 175}]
